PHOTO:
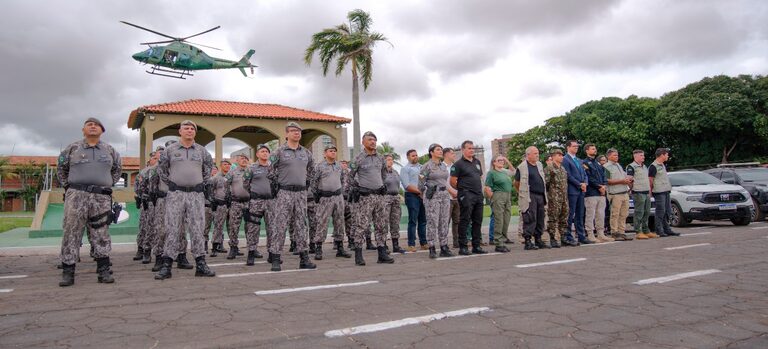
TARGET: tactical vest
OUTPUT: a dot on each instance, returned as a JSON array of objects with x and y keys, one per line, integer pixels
[
  {"x": 641, "y": 182},
  {"x": 259, "y": 182},
  {"x": 616, "y": 173},
  {"x": 524, "y": 194},
  {"x": 236, "y": 186},
  {"x": 91, "y": 166},
  {"x": 661, "y": 182},
  {"x": 186, "y": 168},
  {"x": 330, "y": 176}
]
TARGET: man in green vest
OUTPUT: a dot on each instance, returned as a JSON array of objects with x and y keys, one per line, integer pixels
[
  {"x": 618, "y": 195},
  {"x": 641, "y": 191},
  {"x": 661, "y": 188},
  {"x": 532, "y": 198}
]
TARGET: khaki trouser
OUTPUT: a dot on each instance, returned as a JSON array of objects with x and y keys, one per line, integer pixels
[
  {"x": 619, "y": 212},
  {"x": 595, "y": 216}
]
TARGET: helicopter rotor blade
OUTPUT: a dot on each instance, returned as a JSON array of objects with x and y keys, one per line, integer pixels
[
  {"x": 206, "y": 46},
  {"x": 157, "y": 42},
  {"x": 201, "y": 33},
  {"x": 149, "y": 30}
]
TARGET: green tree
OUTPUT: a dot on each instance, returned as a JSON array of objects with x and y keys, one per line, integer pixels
[
  {"x": 349, "y": 42},
  {"x": 31, "y": 178},
  {"x": 386, "y": 148}
]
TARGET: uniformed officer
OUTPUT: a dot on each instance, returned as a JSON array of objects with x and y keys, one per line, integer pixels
[
  {"x": 312, "y": 220},
  {"x": 618, "y": 195},
  {"x": 532, "y": 198},
  {"x": 392, "y": 203},
  {"x": 661, "y": 187},
  {"x": 326, "y": 188},
  {"x": 218, "y": 196},
  {"x": 432, "y": 179},
  {"x": 366, "y": 180},
  {"x": 147, "y": 208},
  {"x": 290, "y": 168},
  {"x": 141, "y": 196},
  {"x": 87, "y": 169},
  {"x": 641, "y": 190},
  {"x": 556, "y": 180},
  {"x": 239, "y": 199},
  {"x": 184, "y": 167},
  {"x": 347, "y": 205},
  {"x": 209, "y": 207},
  {"x": 256, "y": 183}
]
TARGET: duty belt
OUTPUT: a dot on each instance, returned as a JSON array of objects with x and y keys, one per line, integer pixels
[
  {"x": 161, "y": 194},
  {"x": 191, "y": 189},
  {"x": 255, "y": 196},
  {"x": 293, "y": 187},
  {"x": 366, "y": 191},
  {"x": 441, "y": 188},
  {"x": 393, "y": 194},
  {"x": 96, "y": 189},
  {"x": 241, "y": 200},
  {"x": 220, "y": 202},
  {"x": 327, "y": 194}
]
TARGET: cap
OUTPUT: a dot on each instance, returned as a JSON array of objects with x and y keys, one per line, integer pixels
[
  {"x": 555, "y": 152},
  {"x": 433, "y": 146},
  {"x": 189, "y": 122},
  {"x": 244, "y": 155},
  {"x": 258, "y": 147},
  {"x": 226, "y": 161},
  {"x": 160, "y": 148},
  {"x": 331, "y": 146},
  {"x": 292, "y": 124},
  {"x": 172, "y": 141},
  {"x": 370, "y": 134},
  {"x": 97, "y": 122}
]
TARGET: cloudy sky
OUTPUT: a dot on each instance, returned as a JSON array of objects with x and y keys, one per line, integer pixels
[{"x": 457, "y": 69}]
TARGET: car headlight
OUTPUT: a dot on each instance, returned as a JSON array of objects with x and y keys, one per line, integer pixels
[{"x": 693, "y": 197}]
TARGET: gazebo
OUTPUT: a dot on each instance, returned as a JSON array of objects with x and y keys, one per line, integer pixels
[{"x": 251, "y": 123}]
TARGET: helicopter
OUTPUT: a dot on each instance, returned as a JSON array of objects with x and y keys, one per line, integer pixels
[{"x": 179, "y": 58}]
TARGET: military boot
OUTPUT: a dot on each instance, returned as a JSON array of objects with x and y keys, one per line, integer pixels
[
  {"x": 319, "y": 252},
  {"x": 182, "y": 262},
  {"x": 251, "y": 258},
  {"x": 67, "y": 275},
  {"x": 529, "y": 246},
  {"x": 311, "y": 247},
  {"x": 359, "y": 256},
  {"x": 232, "y": 252},
  {"x": 257, "y": 254},
  {"x": 464, "y": 251},
  {"x": 147, "y": 257},
  {"x": 396, "y": 247},
  {"x": 384, "y": 256},
  {"x": 165, "y": 269},
  {"x": 139, "y": 254},
  {"x": 540, "y": 244},
  {"x": 340, "y": 250},
  {"x": 553, "y": 243},
  {"x": 292, "y": 247},
  {"x": 445, "y": 251},
  {"x": 350, "y": 243},
  {"x": 221, "y": 248},
  {"x": 432, "y": 252},
  {"x": 237, "y": 249},
  {"x": 158, "y": 263},
  {"x": 201, "y": 268},
  {"x": 304, "y": 262},
  {"x": 103, "y": 271},
  {"x": 275, "y": 262},
  {"x": 214, "y": 250}
]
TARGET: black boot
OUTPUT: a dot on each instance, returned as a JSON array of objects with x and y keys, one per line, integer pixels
[
  {"x": 237, "y": 249},
  {"x": 251, "y": 258},
  {"x": 165, "y": 269},
  {"x": 182, "y": 262},
  {"x": 292, "y": 248},
  {"x": 232, "y": 252},
  {"x": 272, "y": 258},
  {"x": 529, "y": 246},
  {"x": 553, "y": 243},
  {"x": 214, "y": 250},
  {"x": 350, "y": 244},
  {"x": 384, "y": 256},
  {"x": 501, "y": 249},
  {"x": 445, "y": 251},
  {"x": 540, "y": 244},
  {"x": 396, "y": 247},
  {"x": 464, "y": 251},
  {"x": 158, "y": 263},
  {"x": 139, "y": 254},
  {"x": 257, "y": 254},
  {"x": 304, "y": 262},
  {"x": 147, "y": 257},
  {"x": 359, "y": 256},
  {"x": 340, "y": 250},
  {"x": 275, "y": 262},
  {"x": 478, "y": 250},
  {"x": 201, "y": 268},
  {"x": 311, "y": 247},
  {"x": 221, "y": 248},
  {"x": 67, "y": 275},
  {"x": 369, "y": 246},
  {"x": 432, "y": 252},
  {"x": 102, "y": 269},
  {"x": 319, "y": 252}
]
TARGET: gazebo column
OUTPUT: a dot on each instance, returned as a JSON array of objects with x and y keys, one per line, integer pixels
[{"x": 219, "y": 145}]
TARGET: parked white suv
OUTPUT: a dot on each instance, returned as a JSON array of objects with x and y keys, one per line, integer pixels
[{"x": 701, "y": 196}]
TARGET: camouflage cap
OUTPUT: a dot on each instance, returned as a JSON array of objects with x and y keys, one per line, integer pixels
[
  {"x": 226, "y": 161},
  {"x": 160, "y": 148},
  {"x": 262, "y": 146},
  {"x": 370, "y": 134},
  {"x": 172, "y": 141},
  {"x": 189, "y": 122},
  {"x": 555, "y": 152},
  {"x": 244, "y": 155},
  {"x": 97, "y": 122},
  {"x": 293, "y": 124},
  {"x": 331, "y": 146}
]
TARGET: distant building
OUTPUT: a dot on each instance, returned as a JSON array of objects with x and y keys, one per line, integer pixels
[{"x": 500, "y": 146}]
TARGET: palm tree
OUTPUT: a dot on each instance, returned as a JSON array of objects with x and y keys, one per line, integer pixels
[
  {"x": 386, "y": 148},
  {"x": 352, "y": 42}
]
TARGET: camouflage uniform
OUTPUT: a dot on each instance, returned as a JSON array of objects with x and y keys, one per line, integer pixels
[
  {"x": 99, "y": 167},
  {"x": 239, "y": 198},
  {"x": 392, "y": 203},
  {"x": 148, "y": 209},
  {"x": 556, "y": 180},
  {"x": 142, "y": 203},
  {"x": 256, "y": 183},
  {"x": 347, "y": 206},
  {"x": 435, "y": 175},
  {"x": 217, "y": 186},
  {"x": 326, "y": 186},
  {"x": 366, "y": 176},
  {"x": 289, "y": 171},
  {"x": 185, "y": 171},
  {"x": 160, "y": 190},
  {"x": 311, "y": 216}
]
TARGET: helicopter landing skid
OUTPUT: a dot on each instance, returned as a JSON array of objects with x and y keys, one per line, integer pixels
[{"x": 170, "y": 73}]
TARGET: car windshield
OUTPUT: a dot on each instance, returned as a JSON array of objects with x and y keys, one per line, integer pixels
[
  {"x": 692, "y": 178},
  {"x": 754, "y": 174}
]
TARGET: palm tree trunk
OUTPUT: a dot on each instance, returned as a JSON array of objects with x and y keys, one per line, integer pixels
[{"x": 355, "y": 111}]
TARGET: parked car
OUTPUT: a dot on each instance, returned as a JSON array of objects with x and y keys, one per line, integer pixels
[
  {"x": 750, "y": 176},
  {"x": 701, "y": 196}
]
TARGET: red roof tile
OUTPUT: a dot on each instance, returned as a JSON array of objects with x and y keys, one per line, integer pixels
[{"x": 227, "y": 108}]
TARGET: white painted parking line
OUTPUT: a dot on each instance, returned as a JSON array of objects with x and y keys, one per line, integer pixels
[
  {"x": 311, "y": 288},
  {"x": 696, "y": 234},
  {"x": 472, "y": 255},
  {"x": 13, "y": 277},
  {"x": 261, "y": 273},
  {"x": 419, "y": 251},
  {"x": 697, "y": 228},
  {"x": 686, "y": 246},
  {"x": 562, "y": 261},
  {"x": 240, "y": 263},
  {"x": 661, "y": 280},
  {"x": 759, "y": 228},
  {"x": 6, "y": 290},
  {"x": 349, "y": 331},
  {"x": 601, "y": 243}
]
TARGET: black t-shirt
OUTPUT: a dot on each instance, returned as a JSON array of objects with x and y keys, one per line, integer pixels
[
  {"x": 535, "y": 182},
  {"x": 652, "y": 171},
  {"x": 468, "y": 174}
]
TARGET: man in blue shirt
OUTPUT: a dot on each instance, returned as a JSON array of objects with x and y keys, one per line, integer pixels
[
  {"x": 577, "y": 186},
  {"x": 417, "y": 215}
]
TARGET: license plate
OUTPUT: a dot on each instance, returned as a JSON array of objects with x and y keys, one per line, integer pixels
[{"x": 725, "y": 207}]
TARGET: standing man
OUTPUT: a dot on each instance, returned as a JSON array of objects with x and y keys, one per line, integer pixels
[
  {"x": 417, "y": 215},
  {"x": 556, "y": 180},
  {"x": 532, "y": 198},
  {"x": 218, "y": 194},
  {"x": 392, "y": 203},
  {"x": 256, "y": 183},
  {"x": 347, "y": 205},
  {"x": 184, "y": 167},
  {"x": 641, "y": 190},
  {"x": 466, "y": 178},
  {"x": 149, "y": 236},
  {"x": 449, "y": 157},
  {"x": 142, "y": 204},
  {"x": 498, "y": 188},
  {"x": 87, "y": 169},
  {"x": 326, "y": 186},
  {"x": 366, "y": 180},
  {"x": 661, "y": 187},
  {"x": 594, "y": 197},
  {"x": 618, "y": 195},
  {"x": 577, "y": 186},
  {"x": 239, "y": 198},
  {"x": 289, "y": 172}
]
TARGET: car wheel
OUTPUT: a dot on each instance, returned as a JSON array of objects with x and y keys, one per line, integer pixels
[
  {"x": 741, "y": 221},
  {"x": 757, "y": 215},
  {"x": 676, "y": 217}
]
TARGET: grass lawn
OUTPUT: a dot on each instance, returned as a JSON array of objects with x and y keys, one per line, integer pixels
[{"x": 7, "y": 223}]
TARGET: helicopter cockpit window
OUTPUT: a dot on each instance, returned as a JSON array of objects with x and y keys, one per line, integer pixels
[{"x": 170, "y": 56}]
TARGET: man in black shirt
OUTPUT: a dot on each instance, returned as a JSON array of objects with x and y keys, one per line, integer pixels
[
  {"x": 529, "y": 182},
  {"x": 465, "y": 177}
]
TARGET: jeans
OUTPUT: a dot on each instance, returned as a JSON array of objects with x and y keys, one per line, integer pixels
[
  {"x": 491, "y": 226},
  {"x": 576, "y": 212},
  {"x": 417, "y": 217},
  {"x": 663, "y": 212}
]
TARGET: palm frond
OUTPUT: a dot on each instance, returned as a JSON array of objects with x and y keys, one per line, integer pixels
[{"x": 361, "y": 21}]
